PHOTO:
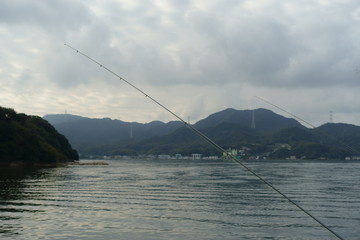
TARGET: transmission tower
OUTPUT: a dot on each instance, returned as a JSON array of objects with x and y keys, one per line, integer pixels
[
  {"x": 253, "y": 120},
  {"x": 331, "y": 116}
]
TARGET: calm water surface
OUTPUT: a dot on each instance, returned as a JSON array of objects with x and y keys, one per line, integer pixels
[{"x": 174, "y": 199}]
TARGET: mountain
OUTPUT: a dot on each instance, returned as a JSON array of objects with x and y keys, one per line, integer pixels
[
  {"x": 284, "y": 143},
  {"x": 265, "y": 120},
  {"x": 185, "y": 141},
  {"x": 229, "y": 128},
  {"x": 105, "y": 136},
  {"x": 31, "y": 140},
  {"x": 260, "y": 131},
  {"x": 341, "y": 135},
  {"x": 93, "y": 136}
]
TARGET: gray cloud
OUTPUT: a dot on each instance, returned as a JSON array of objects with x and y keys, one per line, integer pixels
[
  {"x": 207, "y": 54},
  {"x": 51, "y": 15}
]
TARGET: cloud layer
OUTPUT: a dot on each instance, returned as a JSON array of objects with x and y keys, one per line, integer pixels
[{"x": 196, "y": 57}]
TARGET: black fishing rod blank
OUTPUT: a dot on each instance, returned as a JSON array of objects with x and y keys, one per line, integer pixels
[{"x": 208, "y": 140}]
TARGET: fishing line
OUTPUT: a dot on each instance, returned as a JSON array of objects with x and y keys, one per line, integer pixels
[
  {"x": 351, "y": 149},
  {"x": 211, "y": 142},
  {"x": 282, "y": 109}
]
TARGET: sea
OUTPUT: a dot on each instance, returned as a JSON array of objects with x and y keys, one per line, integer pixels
[{"x": 181, "y": 199}]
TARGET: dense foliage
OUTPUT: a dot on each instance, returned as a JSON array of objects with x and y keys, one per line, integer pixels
[{"x": 31, "y": 139}]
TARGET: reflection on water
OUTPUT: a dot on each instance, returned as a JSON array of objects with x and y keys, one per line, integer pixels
[{"x": 173, "y": 199}]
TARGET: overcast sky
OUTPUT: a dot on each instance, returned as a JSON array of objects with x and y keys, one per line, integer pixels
[{"x": 196, "y": 57}]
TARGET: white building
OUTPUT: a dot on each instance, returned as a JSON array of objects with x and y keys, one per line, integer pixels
[{"x": 196, "y": 156}]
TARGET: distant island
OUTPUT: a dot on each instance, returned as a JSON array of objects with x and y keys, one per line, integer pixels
[
  {"x": 258, "y": 133},
  {"x": 31, "y": 140}
]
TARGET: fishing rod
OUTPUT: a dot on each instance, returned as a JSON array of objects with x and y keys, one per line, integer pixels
[
  {"x": 282, "y": 109},
  {"x": 208, "y": 140},
  {"x": 322, "y": 132}
]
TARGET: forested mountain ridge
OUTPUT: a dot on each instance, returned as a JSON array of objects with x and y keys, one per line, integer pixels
[
  {"x": 261, "y": 131},
  {"x": 263, "y": 120},
  {"x": 89, "y": 135},
  {"x": 31, "y": 140}
]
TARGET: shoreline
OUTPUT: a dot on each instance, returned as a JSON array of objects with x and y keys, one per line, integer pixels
[
  {"x": 21, "y": 164},
  {"x": 88, "y": 163}
]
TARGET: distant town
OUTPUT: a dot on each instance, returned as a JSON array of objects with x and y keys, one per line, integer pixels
[{"x": 242, "y": 153}]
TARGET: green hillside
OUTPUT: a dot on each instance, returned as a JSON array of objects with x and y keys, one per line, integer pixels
[{"x": 31, "y": 140}]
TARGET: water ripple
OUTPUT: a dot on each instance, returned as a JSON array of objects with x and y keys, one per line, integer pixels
[{"x": 171, "y": 199}]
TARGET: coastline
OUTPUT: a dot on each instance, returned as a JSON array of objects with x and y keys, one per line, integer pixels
[{"x": 22, "y": 164}]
